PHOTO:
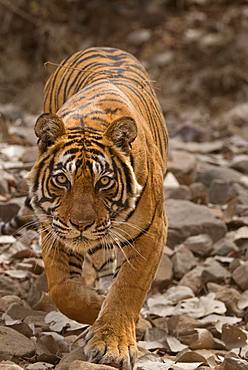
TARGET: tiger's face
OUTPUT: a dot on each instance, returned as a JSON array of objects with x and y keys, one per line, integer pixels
[{"x": 83, "y": 183}]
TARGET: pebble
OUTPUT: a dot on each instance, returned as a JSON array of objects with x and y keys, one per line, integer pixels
[
  {"x": 8, "y": 210},
  {"x": 199, "y": 193},
  {"x": 220, "y": 192},
  {"x": 13, "y": 343},
  {"x": 201, "y": 245},
  {"x": 193, "y": 279},
  {"x": 81, "y": 365},
  {"x": 234, "y": 363},
  {"x": 182, "y": 165},
  {"x": 163, "y": 59},
  {"x": 40, "y": 366},
  {"x": 240, "y": 163},
  {"x": 9, "y": 365},
  {"x": 138, "y": 37},
  {"x": 224, "y": 246},
  {"x": 214, "y": 272},
  {"x": 164, "y": 273},
  {"x": 170, "y": 181},
  {"x": 30, "y": 154},
  {"x": 183, "y": 261},
  {"x": 181, "y": 192},
  {"x": 8, "y": 300},
  {"x": 240, "y": 276}
]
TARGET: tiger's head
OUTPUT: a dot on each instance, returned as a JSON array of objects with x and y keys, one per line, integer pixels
[{"x": 83, "y": 181}]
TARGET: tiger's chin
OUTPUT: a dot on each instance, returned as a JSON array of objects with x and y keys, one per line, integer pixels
[{"x": 83, "y": 243}]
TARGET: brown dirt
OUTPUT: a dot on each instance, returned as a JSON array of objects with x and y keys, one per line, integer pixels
[{"x": 195, "y": 50}]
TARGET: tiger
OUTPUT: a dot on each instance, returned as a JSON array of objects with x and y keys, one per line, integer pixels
[{"x": 97, "y": 185}]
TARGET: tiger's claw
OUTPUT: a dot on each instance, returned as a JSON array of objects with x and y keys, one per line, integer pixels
[{"x": 103, "y": 346}]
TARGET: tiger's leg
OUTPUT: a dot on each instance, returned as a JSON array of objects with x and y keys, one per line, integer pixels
[
  {"x": 66, "y": 285},
  {"x": 111, "y": 339},
  {"x": 104, "y": 262}
]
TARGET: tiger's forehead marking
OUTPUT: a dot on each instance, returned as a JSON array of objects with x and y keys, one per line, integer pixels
[{"x": 73, "y": 164}]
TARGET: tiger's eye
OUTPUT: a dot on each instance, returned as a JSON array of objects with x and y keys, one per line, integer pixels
[
  {"x": 61, "y": 179},
  {"x": 104, "y": 181}
]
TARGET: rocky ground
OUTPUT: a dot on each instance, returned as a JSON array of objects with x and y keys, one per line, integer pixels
[{"x": 195, "y": 316}]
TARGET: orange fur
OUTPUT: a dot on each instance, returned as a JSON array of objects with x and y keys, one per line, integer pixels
[{"x": 105, "y": 90}]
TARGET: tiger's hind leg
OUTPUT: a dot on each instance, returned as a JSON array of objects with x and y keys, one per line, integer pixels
[{"x": 66, "y": 286}]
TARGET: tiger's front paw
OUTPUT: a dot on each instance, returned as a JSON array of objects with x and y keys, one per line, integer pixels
[{"x": 109, "y": 345}]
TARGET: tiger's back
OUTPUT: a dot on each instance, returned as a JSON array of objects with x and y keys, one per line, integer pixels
[{"x": 99, "y": 84}]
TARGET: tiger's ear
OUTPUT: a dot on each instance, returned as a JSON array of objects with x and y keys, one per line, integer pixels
[
  {"x": 122, "y": 133},
  {"x": 48, "y": 128}
]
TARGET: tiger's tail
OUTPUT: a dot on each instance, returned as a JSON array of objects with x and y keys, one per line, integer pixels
[{"x": 23, "y": 217}]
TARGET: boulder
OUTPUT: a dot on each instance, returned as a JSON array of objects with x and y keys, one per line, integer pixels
[
  {"x": 186, "y": 219},
  {"x": 206, "y": 173}
]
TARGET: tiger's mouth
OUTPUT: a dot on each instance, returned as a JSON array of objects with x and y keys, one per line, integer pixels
[{"x": 81, "y": 237}]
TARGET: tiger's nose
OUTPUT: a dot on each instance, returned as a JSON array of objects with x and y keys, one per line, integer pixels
[{"x": 81, "y": 225}]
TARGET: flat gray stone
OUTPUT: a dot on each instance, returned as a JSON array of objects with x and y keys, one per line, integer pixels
[
  {"x": 81, "y": 365},
  {"x": 206, "y": 173},
  {"x": 13, "y": 343},
  {"x": 214, "y": 272},
  {"x": 201, "y": 245},
  {"x": 186, "y": 219}
]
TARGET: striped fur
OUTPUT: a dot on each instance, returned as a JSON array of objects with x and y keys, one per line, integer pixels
[{"x": 97, "y": 190}]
